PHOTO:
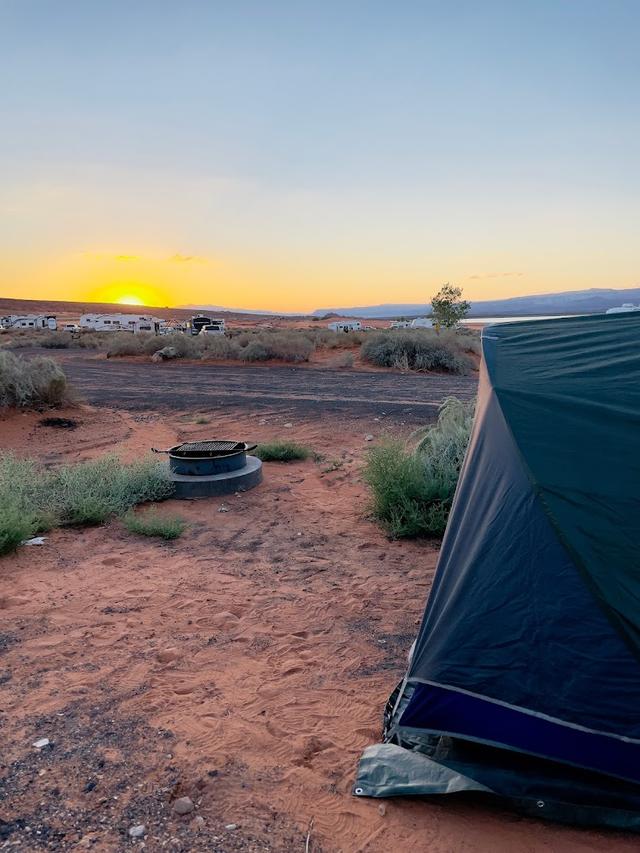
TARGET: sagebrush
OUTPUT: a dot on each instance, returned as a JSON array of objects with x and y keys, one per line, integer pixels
[
  {"x": 419, "y": 349},
  {"x": 412, "y": 487},
  {"x": 31, "y": 382}
]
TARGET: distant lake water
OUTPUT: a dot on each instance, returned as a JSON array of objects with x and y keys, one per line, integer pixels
[{"x": 485, "y": 321}]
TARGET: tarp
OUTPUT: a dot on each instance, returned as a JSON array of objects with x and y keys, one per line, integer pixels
[{"x": 530, "y": 640}]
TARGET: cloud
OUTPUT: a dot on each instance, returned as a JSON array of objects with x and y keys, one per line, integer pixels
[{"x": 497, "y": 275}]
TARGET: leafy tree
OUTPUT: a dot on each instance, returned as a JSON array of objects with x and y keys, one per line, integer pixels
[{"x": 448, "y": 307}]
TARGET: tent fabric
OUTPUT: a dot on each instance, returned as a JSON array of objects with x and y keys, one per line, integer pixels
[{"x": 530, "y": 640}]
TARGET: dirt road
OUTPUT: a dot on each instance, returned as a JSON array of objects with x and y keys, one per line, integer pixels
[{"x": 134, "y": 386}]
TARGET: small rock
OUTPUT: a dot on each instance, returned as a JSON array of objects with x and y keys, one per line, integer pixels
[
  {"x": 184, "y": 805},
  {"x": 288, "y": 426},
  {"x": 198, "y": 823},
  {"x": 137, "y": 831},
  {"x": 41, "y": 742},
  {"x": 368, "y": 437},
  {"x": 168, "y": 655},
  {"x": 382, "y": 809},
  {"x": 223, "y": 508},
  {"x": 231, "y": 826}
]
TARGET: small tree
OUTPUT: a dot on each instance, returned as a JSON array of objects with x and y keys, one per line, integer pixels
[{"x": 447, "y": 306}]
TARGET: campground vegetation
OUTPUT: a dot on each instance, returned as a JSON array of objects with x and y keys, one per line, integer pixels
[
  {"x": 154, "y": 523},
  {"x": 412, "y": 487},
  {"x": 35, "y": 499},
  {"x": 421, "y": 349},
  {"x": 283, "y": 451},
  {"x": 31, "y": 383}
]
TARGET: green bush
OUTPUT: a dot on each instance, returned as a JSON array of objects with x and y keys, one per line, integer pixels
[
  {"x": 282, "y": 451},
  {"x": 152, "y": 523},
  {"x": 417, "y": 349},
  {"x": 29, "y": 383},
  {"x": 34, "y": 499},
  {"x": 412, "y": 489}
]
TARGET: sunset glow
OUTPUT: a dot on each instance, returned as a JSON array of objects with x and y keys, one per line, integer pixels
[{"x": 321, "y": 158}]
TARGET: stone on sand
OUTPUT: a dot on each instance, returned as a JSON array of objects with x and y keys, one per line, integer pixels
[{"x": 183, "y": 805}]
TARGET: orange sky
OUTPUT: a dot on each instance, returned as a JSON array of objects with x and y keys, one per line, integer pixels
[{"x": 294, "y": 156}]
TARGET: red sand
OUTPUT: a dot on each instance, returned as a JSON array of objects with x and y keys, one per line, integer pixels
[{"x": 245, "y": 665}]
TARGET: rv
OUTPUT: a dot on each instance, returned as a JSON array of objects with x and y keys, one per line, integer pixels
[
  {"x": 422, "y": 323},
  {"x": 401, "y": 324},
  {"x": 197, "y": 324},
  {"x": 120, "y": 323},
  {"x": 345, "y": 326},
  {"x": 29, "y": 321}
]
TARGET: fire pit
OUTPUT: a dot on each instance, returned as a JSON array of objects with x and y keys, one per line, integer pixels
[{"x": 206, "y": 468}]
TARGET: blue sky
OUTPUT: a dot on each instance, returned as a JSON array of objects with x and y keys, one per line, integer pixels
[{"x": 306, "y": 152}]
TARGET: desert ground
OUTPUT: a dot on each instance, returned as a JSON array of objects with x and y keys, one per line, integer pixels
[{"x": 244, "y": 665}]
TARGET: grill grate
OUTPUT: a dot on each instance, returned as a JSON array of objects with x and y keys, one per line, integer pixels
[{"x": 208, "y": 448}]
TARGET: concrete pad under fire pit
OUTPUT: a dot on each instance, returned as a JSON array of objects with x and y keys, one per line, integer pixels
[{"x": 225, "y": 483}]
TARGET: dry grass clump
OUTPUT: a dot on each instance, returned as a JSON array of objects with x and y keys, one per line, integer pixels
[
  {"x": 29, "y": 383},
  {"x": 282, "y": 451},
  {"x": 419, "y": 349},
  {"x": 343, "y": 359},
  {"x": 412, "y": 489},
  {"x": 153, "y": 523},
  {"x": 34, "y": 499}
]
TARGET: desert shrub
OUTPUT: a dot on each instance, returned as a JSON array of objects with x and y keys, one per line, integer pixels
[
  {"x": 187, "y": 346},
  {"x": 412, "y": 488},
  {"x": 282, "y": 451},
  {"x": 34, "y": 499},
  {"x": 22, "y": 510},
  {"x": 31, "y": 382},
  {"x": 288, "y": 346},
  {"x": 417, "y": 349},
  {"x": 219, "y": 346},
  {"x": 91, "y": 492},
  {"x": 126, "y": 343},
  {"x": 254, "y": 351},
  {"x": 152, "y": 523},
  {"x": 344, "y": 359},
  {"x": 89, "y": 340},
  {"x": 57, "y": 340}
]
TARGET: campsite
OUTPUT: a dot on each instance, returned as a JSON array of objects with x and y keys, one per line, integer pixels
[
  {"x": 244, "y": 665},
  {"x": 319, "y": 417}
]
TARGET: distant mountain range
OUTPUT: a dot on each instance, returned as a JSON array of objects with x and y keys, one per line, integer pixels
[{"x": 593, "y": 301}]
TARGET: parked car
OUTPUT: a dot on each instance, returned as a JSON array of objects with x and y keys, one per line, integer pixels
[{"x": 212, "y": 329}]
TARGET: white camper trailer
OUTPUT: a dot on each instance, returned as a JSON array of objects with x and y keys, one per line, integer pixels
[
  {"x": 345, "y": 326},
  {"x": 30, "y": 321},
  {"x": 120, "y": 323},
  {"x": 401, "y": 324},
  {"x": 422, "y": 323}
]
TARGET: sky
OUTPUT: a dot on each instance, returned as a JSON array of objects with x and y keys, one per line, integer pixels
[{"x": 300, "y": 155}]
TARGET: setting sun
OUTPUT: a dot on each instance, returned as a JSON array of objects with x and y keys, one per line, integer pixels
[{"x": 130, "y": 300}]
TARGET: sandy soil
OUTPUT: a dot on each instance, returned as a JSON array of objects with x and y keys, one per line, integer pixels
[{"x": 245, "y": 665}]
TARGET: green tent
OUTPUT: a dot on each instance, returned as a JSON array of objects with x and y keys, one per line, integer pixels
[{"x": 524, "y": 682}]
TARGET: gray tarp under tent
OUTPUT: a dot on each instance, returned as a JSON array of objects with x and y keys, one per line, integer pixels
[{"x": 524, "y": 684}]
